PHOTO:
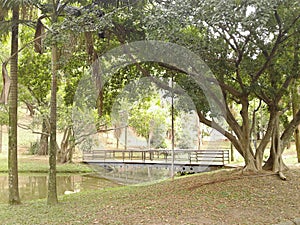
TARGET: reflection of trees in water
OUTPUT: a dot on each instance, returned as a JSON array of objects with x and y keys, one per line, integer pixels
[
  {"x": 66, "y": 183},
  {"x": 42, "y": 187},
  {"x": 34, "y": 187},
  {"x": 136, "y": 173}
]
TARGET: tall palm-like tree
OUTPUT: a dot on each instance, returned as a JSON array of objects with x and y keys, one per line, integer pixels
[
  {"x": 52, "y": 190},
  {"x": 14, "y": 6},
  {"x": 14, "y": 197}
]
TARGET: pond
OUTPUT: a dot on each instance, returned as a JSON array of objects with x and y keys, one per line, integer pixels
[{"x": 34, "y": 186}]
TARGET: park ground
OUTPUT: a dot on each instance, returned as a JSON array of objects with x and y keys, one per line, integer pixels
[{"x": 220, "y": 197}]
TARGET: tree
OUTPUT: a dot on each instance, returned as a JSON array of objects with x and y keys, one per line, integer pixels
[
  {"x": 57, "y": 8},
  {"x": 14, "y": 197},
  {"x": 244, "y": 52},
  {"x": 145, "y": 109},
  {"x": 295, "y": 94},
  {"x": 14, "y": 6},
  {"x": 52, "y": 189},
  {"x": 35, "y": 86}
]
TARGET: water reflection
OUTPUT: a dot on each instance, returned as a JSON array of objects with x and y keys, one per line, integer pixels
[
  {"x": 139, "y": 173},
  {"x": 35, "y": 186}
]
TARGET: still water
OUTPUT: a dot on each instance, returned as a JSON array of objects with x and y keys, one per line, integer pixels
[{"x": 34, "y": 186}]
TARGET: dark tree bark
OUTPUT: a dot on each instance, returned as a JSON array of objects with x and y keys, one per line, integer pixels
[
  {"x": 30, "y": 108},
  {"x": 14, "y": 197}
]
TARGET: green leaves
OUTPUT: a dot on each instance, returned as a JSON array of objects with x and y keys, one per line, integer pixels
[{"x": 11, "y": 3}]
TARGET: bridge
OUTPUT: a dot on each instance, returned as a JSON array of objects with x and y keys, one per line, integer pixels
[{"x": 182, "y": 157}]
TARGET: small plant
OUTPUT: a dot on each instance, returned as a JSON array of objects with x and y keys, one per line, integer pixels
[{"x": 34, "y": 148}]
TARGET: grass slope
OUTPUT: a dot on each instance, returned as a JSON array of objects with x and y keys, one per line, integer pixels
[{"x": 224, "y": 197}]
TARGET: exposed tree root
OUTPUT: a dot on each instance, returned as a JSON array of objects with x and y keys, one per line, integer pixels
[
  {"x": 236, "y": 177},
  {"x": 281, "y": 175}
]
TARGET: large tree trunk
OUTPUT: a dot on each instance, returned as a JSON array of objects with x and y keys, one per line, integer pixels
[
  {"x": 295, "y": 93},
  {"x": 44, "y": 140},
  {"x": 52, "y": 189},
  {"x": 65, "y": 153},
  {"x": 275, "y": 161},
  {"x": 250, "y": 164},
  {"x": 14, "y": 197},
  {"x": 264, "y": 141}
]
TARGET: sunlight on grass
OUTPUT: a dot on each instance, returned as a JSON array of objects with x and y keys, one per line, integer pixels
[{"x": 32, "y": 164}]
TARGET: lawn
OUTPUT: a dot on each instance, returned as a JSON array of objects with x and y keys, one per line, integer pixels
[
  {"x": 39, "y": 164},
  {"x": 221, "y": 197}
]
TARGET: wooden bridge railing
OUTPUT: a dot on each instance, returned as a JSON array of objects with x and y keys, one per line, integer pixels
[{"x": 203, "y": 157}]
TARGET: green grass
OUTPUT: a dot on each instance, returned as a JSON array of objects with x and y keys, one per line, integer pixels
[{"x": 28, "y": 164}]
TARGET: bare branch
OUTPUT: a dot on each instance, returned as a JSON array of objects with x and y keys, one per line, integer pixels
[{"x": 26, "y": 127}]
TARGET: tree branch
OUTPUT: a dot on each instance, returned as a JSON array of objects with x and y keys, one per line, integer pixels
[
  {"x": 26, "y": 127},
  {"x": 227, "y": 134}
]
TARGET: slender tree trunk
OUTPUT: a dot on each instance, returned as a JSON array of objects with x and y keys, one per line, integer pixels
[
  {"x": 52, "y": 189},
  {"x": 231, "y": 153},
  {"x": 296, "y": 107},
  {"x": 44, "y": 140},
  {"x": 117, "y": 133},
  {"x": 71, "y": 145},
  {"x": 265, "y": 140},
  {"x": 199, "y": 135},
  {"x": 71, "y": 148},
  {"x": 14, "y": 197}
]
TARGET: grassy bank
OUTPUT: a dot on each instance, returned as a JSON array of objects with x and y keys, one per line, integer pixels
[
  {"x": 33, "y": 164},
  {"x": 224, "y": 197}
]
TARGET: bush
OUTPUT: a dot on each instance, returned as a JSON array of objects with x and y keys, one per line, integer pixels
[{"x": 34, "y": 148}]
